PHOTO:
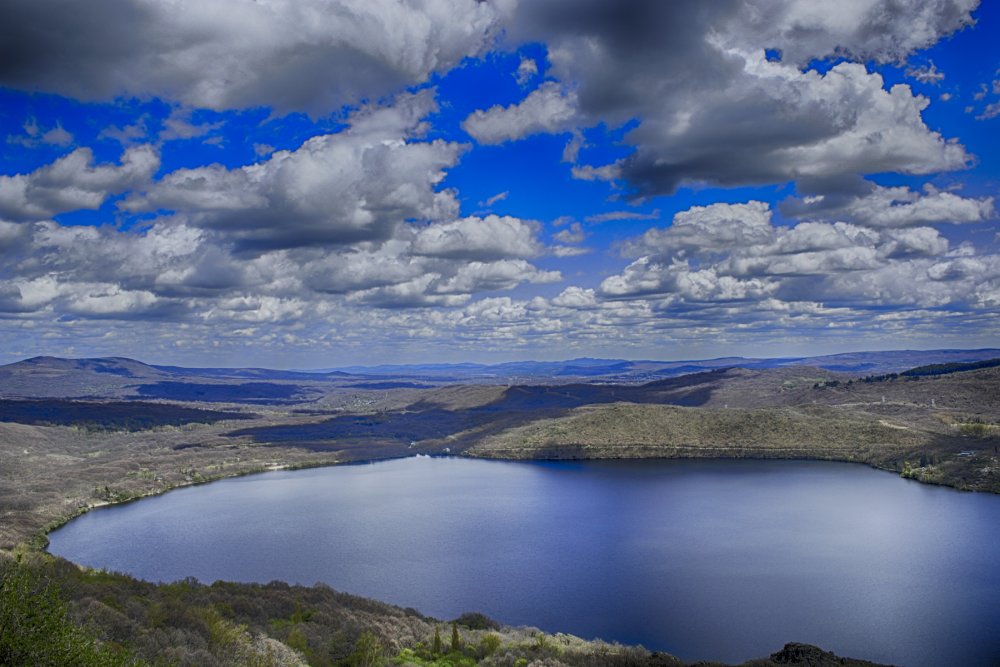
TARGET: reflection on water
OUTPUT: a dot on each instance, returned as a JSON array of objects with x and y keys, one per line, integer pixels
[{"x": 721, "y": 560}]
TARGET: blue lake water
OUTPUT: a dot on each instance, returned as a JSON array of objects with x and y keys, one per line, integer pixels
[{"x": 720, "y": 560}]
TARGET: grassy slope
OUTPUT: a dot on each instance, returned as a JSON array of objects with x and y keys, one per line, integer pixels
[
  {"x": 629, "y": 430},
  {"x": 941, "y": 430}
]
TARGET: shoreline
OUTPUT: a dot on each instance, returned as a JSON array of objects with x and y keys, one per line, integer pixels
[
  {"x": 278, "y": 467},
  {"x": 40, "y": 541}
]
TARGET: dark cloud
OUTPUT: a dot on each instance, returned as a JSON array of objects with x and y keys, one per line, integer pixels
[
  {"x": 307, "y": 55},
  {"x": 711, "y": 108}
]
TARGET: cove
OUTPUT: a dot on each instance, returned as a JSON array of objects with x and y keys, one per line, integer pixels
[{"x": 708, "y": 560}]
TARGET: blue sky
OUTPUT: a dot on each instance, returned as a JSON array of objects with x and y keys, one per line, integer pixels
[{"x": 324, "y": 182}]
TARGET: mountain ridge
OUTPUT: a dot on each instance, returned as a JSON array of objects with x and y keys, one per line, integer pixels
[{"x": 615, "y": 370}]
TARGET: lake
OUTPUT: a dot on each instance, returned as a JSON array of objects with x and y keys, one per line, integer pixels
[{"x": 708, "y": 560}]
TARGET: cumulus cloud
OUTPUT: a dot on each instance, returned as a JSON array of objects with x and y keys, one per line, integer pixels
[
  {"x": 548, "y": 108},
  {"x": 880, "y": 30},
  {"x": 878, "y": 206},
  {"x": 707, "y": 229},
  {"x": 312, "y": 55},
  {"x": 413, "y": 293},
  {"x": 569, "y": 251},
  {"x": 491, "y": 276},
  {"x": 711, "y": 108},
  {"x": 361, "y": 268},
  {"x": 92, "y": 300},
  {"x": 173, "y": 268},
  {"x": 354, "y": 186},
  {"x": 527, "y": 69},
  {"x": 74, "y": 182},
  {"x": 355, "y": 217},
  {"x": 776, "y": 123},
  {"x": 492, "y": 237},
  {"x": 732, "y": 252},
  {"x": 352, "y": 239},
  {"x": 572, "y": 234}
]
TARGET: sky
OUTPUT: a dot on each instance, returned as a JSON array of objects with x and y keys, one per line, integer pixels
[{"x": 312, "y": 183}]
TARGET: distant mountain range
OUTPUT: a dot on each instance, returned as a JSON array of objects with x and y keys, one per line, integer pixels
[
  {"x": 622, "y": 370},
  {"x": 119, "y": 377}
]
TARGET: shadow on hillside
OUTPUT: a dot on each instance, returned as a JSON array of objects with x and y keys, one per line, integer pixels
[
  {"x": 247, "y": 392},
  {"x": 428, "y": 421}
]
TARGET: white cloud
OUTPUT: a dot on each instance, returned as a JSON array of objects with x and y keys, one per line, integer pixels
[
  {"x": 127, "y": 135},
  {"x": 879, "y": 206},
  {"x": 527, "y": 69},
  {"x": 732, "y": 252},
  {"x": 623, "y": 215},
  {"x": 490, "y": 276},
  {"x": 74, "y": 182},
  {"x": 492, "y": 237},
  {"x": 991, "y": 111},
  {"x": 34, "y": 136},
  {"x": 569, "y": 251},
  {"x": 572, "y": 234},
  {"x": 707, "y": 229},
  {"x": 176, "y": 270},
  {"x": 927, "y": 74},
  {"x": 576, "y": 297},
  {"x": 881, "y": 30},
  {"x": 549, "y": 108},
  {"x": 103, "y": 300},
  {"x": 178, "y": 125},
  {"x": 500, "y": 196},
  {"x": 353, "y": 186}
]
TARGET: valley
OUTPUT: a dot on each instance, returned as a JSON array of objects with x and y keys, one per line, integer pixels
[{"x": 79, "y": 434}]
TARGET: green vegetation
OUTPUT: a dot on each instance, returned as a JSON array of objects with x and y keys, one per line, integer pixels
[
  {"x": 944, "y": 369},
  {"x": 45, "y": 600},
  {"x": 623, "y": 430},
  {"x": 35, "y": 628},
  {"x": 932, "y": 370}
]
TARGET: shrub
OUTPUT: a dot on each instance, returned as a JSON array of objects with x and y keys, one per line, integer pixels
[{"x": 35, "y": 628}]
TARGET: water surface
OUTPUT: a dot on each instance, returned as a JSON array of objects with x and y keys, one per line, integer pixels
[{"x": 720, "y": 560}]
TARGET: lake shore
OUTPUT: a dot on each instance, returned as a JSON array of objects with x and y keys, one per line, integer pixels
[{"x": 395, "y": 624}]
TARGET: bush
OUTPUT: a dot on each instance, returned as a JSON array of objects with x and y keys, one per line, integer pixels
[
  {"x": 35, "y": 628},
  {"x": 476, "y": 621}
]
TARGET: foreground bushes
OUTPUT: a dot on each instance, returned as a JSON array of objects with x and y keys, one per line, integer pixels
[
  {"x": 35, "y": 628},
  {"x": 53, "y": 613}
]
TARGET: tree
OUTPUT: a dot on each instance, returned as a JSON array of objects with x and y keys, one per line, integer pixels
[
  {"x": 436, "y": 648},
  {"x": 368, "y": 651},
  {"x": 456, "y": 639},
  {"x": 35, "y": 628}
]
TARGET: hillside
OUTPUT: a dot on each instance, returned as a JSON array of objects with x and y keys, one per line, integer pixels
[
  {"x": 942, "y": 429},
  {"x": 119, "y": 377}
]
